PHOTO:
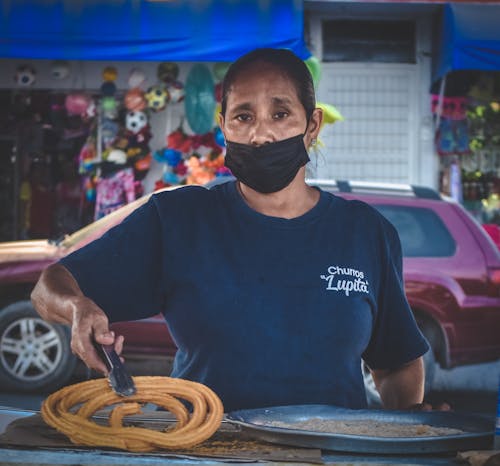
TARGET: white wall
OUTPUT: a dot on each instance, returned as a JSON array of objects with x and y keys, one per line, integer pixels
[{"x": 421, "y": 161}]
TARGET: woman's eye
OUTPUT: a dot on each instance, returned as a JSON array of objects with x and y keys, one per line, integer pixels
[
  {"x": 280, "y": 115},
  {"x": 243, "y": 117}
]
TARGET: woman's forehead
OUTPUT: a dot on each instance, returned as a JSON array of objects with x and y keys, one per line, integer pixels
[{"x": 267, "y": 80}]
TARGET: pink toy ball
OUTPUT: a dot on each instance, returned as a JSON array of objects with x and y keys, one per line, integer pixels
[
  {"x": 77, "y": 103},
  {"x": 136, "y": 78},
  {"x": 135, "y": 100},
  {"x": 25, "y": 76}
]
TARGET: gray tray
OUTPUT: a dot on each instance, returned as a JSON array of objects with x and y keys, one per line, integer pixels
[{"x": 255, "y": 422}]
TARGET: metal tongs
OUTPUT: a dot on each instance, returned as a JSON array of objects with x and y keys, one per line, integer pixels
[{"x": 118, "y": 377}]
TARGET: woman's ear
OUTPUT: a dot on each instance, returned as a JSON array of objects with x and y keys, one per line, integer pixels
[
  {"x": 314, "y": 125},
  {"x": 221, "y": 123},
  {"x": 315, "y": 122}
]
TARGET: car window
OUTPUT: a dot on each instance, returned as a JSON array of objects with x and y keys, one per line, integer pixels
[{"x": 422, "y": 232}]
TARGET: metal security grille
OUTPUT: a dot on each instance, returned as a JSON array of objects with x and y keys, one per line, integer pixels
[{"x": 378, "y": 139}]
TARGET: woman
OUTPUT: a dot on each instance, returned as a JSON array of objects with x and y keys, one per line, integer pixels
[{"x": 273, "y": 290}]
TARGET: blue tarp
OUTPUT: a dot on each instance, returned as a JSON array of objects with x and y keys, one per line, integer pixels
[
  {"x": 470, "y": 39},
  {"x": 148, "y": 30}
]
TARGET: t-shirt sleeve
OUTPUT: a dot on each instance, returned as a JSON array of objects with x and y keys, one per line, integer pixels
[
  {"x": 396, "y": 338},
  {"x": 121, "y": 271}
]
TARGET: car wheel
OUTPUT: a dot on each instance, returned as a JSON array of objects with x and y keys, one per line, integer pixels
[
  {"x": 34, "y": 354},
  {"x": 372, "y": 395}
]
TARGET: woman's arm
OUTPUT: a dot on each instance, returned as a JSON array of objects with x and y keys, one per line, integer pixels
[
  {"x": 58, "y": 298},
  {"x": 401, "y": 388}
]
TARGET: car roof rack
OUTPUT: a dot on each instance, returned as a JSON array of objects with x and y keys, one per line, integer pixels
[{"x": 398, "y": 189}]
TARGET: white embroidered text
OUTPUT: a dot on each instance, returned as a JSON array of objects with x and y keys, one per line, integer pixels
[{"x": 345, "y": 279}]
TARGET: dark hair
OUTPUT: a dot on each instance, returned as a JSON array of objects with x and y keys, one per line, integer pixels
[{"x": 287, "y": 62}]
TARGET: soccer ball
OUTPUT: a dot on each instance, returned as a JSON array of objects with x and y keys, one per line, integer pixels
[
  {"x": 157, "y": 98},
  {"x": 60, "y": 69},
  {"x": 25, "y": 76},
  {"x": 136, "y": 121}
]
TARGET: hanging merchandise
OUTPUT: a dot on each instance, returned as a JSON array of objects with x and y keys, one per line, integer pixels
[
  {"x": 220, "y": 70},
  {"x": 108, "y": 88},
  {"x": 135, "y": 99},
  {"x": 157, "y": 97},
  {"x": 452, "y": 134},
  {"x": 176, "y": 91},
  {"x": 191, "y": 159},
  {"x": 135, "y": 121},
  {"x": 109, "y": 73},
  {"x": 314, "y": 66},
  {"x": 114, "y": 189},
  {"x": 199, "y": 100},
  {"x": 136, "y": 78},
  {"x": 116, "y": 156},
  {"x": 109, "y": 131},
  {"x": 25, "y": 76},
  {"x": 77, "y": 103},
  {"x": 60, "y": 69},
  {"x": 109, "y": 107},
  {"x": 167, "y": 72},
  {"x": 91, "y": 111}
]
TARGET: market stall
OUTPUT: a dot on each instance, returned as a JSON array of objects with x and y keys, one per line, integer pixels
[
  {"x": 91, "y": 120},
  {"x": 466, "y": 107}
]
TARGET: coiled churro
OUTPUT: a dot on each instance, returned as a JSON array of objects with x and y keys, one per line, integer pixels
[{"x": 69, "y": 411}]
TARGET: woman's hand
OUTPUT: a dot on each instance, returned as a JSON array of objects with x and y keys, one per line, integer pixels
[
  {"x": 58, "y": 298},
  {"x": 90, "y": 326},
  {"x": 426, "y": 406}
]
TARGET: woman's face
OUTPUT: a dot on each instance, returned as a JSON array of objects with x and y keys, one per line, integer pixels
[{"x": 263, "y": 107}]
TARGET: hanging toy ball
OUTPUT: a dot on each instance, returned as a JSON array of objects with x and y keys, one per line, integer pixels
[
  {"x": 136, "y": 78},
  {"x": 135, "y": 121},
  {"x": 77, "y": 103},
  {"x": 109, "y": 73},
  {"x": 156, "y": 98},
  {"x": 25, "y": 76},
  {"x": 176, "y": 91},
  {"x": 109, "y": 107},
  {"x": 59, "y": 69},
  {"x": 220, "y": 70},
  {"x": 143, "y": 163},
  {"x": 167, "y": 72},
  {"x": 135, "y": 100},
  {"x": 219, "y": 137},
  {"x": 108, "y": 88}
]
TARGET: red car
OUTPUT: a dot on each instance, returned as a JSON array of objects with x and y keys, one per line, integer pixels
[{"x": 451, "y": 271}]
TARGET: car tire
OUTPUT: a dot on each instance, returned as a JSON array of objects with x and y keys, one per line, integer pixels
[
  {"x": 34, "y": 355},
  {"x": 372, "y": 395}
]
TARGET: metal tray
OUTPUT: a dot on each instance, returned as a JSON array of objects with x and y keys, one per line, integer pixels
[{"x": 256, "y": 422}]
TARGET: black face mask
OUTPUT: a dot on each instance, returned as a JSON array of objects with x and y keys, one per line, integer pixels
[{"x": 267, "y": 168}]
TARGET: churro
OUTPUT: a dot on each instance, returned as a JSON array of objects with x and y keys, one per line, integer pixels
[{"x": 70, "y": 409}]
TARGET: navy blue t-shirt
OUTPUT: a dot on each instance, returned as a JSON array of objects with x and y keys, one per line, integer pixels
[{"x": 264, "y": 310}]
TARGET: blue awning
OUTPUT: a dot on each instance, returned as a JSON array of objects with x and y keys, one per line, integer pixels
[
  {"x": 470, "y": 39},
  {"x": 148, "y": 30}
]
